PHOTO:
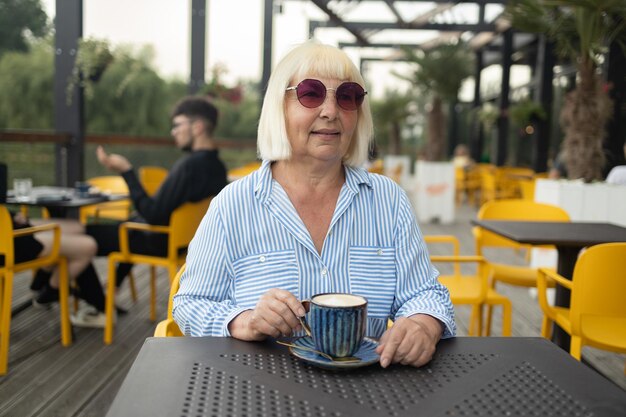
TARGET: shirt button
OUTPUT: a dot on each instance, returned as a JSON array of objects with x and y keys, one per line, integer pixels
[
  {"x": 262, "y": 258},
  {"x": 380, "y": 251},
  {"x": 324, "y": 271}
]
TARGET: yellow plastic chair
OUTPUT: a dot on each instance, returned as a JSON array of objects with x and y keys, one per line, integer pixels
[
  {"x": 8, "y": 270},
  {"x": 168, "y": 327},
  {"x": 240, "y": 172},
  {"x": 151, "y": 178},
  {"x": 117, "y": 210},
  {"x": 597, "y": 313},
  {"x": 473, "y": 290},
  {"x": 183, "y": 224},
  {"x": 467, "y": 184},
  {"x": 516, "y": 210},
  {"x": 527, "y": 188},
  {"x": 508, "y": 180}
]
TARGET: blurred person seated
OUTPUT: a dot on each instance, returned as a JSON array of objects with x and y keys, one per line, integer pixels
[
  {"x": 197, "y": 175},
  {"x": 311, "y": 220},
  {"x": 461, "y": 157},
  {"x": 79, "y": 249}
]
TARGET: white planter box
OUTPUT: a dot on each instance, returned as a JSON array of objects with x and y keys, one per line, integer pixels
[
  {"x": 596, "y": 202},
  {"x": 433, "y": 191}
]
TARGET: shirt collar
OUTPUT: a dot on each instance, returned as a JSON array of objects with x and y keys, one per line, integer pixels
[{"x": 355, "y": 177}]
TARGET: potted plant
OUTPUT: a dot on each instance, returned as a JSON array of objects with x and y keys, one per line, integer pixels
[
  {"x": 92, "y": 59},
  {"x": 581, "y": 30},
  {"x": 439, "y": 72},
  {"x": 526, "y": 113},
  {"x": 488, "y": 115}
]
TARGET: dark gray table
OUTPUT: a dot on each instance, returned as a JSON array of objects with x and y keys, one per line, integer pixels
[
  {"x": 58, "y": 200},
  {"x": 468, "y": 376},
  {"x": 568, "y": 237}
]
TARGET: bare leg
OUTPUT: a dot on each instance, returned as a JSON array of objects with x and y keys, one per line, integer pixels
[
  {"x": 78, "y": 249},
  {"x": 68, "y": 226}
]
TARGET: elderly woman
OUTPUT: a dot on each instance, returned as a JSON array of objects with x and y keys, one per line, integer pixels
[{"x": 311, "y": 221}]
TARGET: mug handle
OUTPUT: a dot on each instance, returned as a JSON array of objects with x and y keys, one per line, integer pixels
[{"x": 307, "y": 306}]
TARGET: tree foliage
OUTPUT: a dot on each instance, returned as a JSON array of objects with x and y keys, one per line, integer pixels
[
  {"x": 582, "y": 31},
  {"x": 439, "y": 72},
  {"x": 390, "y": 116},
  {"x": 21, "y": 20},
  {"x": 26, "y": 88},
  {"x": 136, "y": 106}
]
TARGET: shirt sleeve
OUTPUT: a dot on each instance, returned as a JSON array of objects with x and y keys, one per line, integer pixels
[
  {"x": 170, "y": 195},
  {"x": 418, "y": 290},
  {"x": 203, "y": 305}
]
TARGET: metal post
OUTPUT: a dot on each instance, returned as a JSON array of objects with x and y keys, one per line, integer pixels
[
  {"x": 503, "y": 119},
  {"x": 268, "y": 27},
  {"x": 198, "y": 45},
  {"x": 68, "y": 118},
  {"x": 545, "y": 73},
  {"x": 476, "y": 146}
]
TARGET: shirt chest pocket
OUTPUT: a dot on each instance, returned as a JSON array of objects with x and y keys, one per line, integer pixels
[
  {"x": 373, "y": 275},
  {"x": 256, "y": 274}
]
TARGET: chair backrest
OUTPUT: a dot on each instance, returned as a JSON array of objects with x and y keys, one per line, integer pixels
[
  {"x": 113, "y": 184},
  {"x": 183, "y": 224},
  {"x": 175, "y": 284},
  {"x": 118, "y": 210},
  {"x": 6, "y": 237},
  {"x": 599, "y": 284},
  {"x": 151, "y": 178},
  {"x": 513, "y": 209},
  {"x": 450, "y": 240}
]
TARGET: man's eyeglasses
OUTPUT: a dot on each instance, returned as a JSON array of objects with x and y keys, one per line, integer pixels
[{"x": 312, "y": 93}]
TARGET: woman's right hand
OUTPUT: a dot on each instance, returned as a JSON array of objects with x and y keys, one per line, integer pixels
[{"x": 276, "y": 314}]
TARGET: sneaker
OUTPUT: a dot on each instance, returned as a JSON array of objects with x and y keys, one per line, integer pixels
[
  {"x": 89, "y": 317},
  {"x": 46, "y": 297}
]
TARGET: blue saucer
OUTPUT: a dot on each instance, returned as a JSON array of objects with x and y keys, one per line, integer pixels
[{"x": 366, "y": 353}]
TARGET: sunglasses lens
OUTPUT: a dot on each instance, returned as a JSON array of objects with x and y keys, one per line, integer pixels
[
  {"x": 350, "y": 96},
  {"x": 311, "y": 93}
]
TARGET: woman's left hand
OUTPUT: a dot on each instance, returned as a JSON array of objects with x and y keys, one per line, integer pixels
[{"x": 410, "y": 341}]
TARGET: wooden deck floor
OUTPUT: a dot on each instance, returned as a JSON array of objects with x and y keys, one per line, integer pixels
[{"x": 46, "y": 379}]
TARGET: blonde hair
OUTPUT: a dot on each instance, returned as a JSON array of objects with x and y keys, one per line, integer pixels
[{"x": 310, "y": 58}]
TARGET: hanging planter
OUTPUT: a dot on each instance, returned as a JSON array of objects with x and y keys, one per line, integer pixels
[
  {"x": 526, "y": 112},
  {"x": 92, "y": 59}
]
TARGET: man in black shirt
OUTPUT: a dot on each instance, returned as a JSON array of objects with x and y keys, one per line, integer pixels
[{"x": 194, "y": 177}]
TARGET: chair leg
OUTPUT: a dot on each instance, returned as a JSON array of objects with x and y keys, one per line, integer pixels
[
  {"x": 133, "y": 288},
  {"x": 5, "y": 320},
  {"x": 109, "y": 307},
  {"x": 546, "y": 327},
  {"x": 64, "y": 293},
  {"x": 576, "y": 346},
  {"x": 152, "y": 292},
  {"x": 476, "y": 321},
  {"x": 507, "y": 313},
  {"x": 488, "y": 320}
]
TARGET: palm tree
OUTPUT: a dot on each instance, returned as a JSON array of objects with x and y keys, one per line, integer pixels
[
  {"x": 390, "y": 114},
  {"x": 581, "y": 30},
  {"x": 439, "y": 72}
]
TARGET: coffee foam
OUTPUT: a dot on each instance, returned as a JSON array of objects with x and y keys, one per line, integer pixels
[{"x": 339, "y": 300}]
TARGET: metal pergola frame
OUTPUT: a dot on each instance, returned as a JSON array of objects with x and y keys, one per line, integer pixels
[{"x": 492, "y": 42}]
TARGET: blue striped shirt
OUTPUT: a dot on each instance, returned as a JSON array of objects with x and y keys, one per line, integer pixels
[{"x": 252, "y": 240}]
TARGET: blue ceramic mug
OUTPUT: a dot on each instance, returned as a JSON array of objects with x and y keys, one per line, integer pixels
[{"x": 336, "y": 322}]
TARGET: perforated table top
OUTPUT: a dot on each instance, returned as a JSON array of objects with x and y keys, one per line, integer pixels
[{"x": 193, "y": 377}]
